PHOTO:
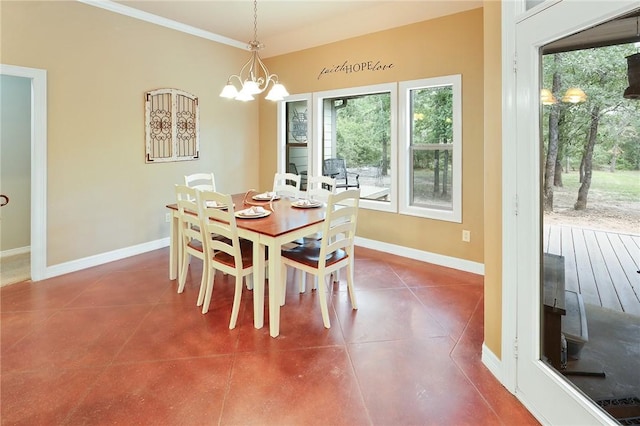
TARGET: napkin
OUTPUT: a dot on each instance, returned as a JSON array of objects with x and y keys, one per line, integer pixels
[
  {"x": 304, "y": 203},
  {"x": 212, "y": 204},
  {"x": 255, "y": 210}
]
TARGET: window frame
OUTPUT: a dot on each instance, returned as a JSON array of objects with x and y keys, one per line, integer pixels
[
  {"x": 406, "y": 153},
  {"x": 318, "y": 99}
]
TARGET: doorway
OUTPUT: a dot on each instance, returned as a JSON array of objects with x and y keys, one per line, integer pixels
[
  {"x": 38, "y": 238},
  {"x": 552, "y": 398},
  {"x": 15, "y": 180}
]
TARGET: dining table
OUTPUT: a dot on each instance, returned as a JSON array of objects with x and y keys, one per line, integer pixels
[{"x": 289, "y": 220}]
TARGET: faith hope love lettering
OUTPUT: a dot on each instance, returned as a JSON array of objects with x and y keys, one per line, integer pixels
[{"x": 348, "y": 68}]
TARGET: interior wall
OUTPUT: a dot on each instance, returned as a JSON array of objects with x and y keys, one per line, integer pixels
[
  {"x": 428, "y": 49},
  {"x": 493, "y": 177},
  {"x": 15, "y": 161},
  {"x": 101, "y": 195}
]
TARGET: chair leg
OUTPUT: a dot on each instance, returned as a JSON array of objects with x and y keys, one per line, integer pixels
[
  {"x": 207, "y": 295},
  {"x": 352, "y": 293},
  {"x": 184, "y": 268},
  {"x": 204, "y": 283},
  {"x": 236, "y": 302},
  {"x": 303, "y": 281},
  {"x": 322, "y": 290}
]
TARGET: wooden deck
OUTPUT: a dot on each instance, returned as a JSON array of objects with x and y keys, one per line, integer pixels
[{"x": 602, "y": 266}]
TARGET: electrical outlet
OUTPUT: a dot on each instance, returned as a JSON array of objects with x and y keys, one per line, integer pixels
[
  {"x": 167, "y": 217},
  {"x": 466, "y": 236}
]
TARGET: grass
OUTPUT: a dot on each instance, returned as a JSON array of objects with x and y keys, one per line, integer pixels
[{"x": 618, "y": 186}]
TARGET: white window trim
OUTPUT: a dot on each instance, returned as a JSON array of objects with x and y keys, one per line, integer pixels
[
  {"x": 319, "y": 97},
  {"x": 282, "y": 131},
  {"x": 404, "y": 167}
]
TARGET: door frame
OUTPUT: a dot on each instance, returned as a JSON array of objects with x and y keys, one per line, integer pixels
[
  {"x": 548, "y": 395},
  {"x": 38, "y": 243}
]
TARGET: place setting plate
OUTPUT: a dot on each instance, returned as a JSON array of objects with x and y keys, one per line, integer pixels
[
  {"x": 306, "y": 204},
  {"x": 211, "y": 205},
  {"x": 251, "y": 213},
  {"x": 266, "y": 196}
]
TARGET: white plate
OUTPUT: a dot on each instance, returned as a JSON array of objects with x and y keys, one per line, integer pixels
[
  {"x": 243, "y": 214},
  {"x": 265, "y": 197},
  {"x": 312, "y": 204},
  {"x": 217, "y": 206}
]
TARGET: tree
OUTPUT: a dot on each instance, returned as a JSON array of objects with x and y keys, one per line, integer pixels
[
  {"x": 552, "y": 147},
  {"x": 601, "y": 73}
]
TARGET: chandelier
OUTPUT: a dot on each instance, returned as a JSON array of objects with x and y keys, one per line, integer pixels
[{"x": 254, "y": 77}]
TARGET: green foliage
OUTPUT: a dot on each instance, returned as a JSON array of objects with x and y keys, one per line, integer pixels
[
  {"x": 432, "y": 115},
  {"x": 364, "y": 130},
  {"x": 602, "y": 74}
]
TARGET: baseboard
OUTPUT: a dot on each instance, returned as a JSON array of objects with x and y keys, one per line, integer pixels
[
  {"x": 424, "y": 256},
  {"x": 15, "y": 251},
  {"x": 100, "y": 259},
  {"x": 492, "y": 362}
]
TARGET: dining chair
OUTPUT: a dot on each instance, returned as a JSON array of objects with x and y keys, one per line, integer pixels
[
  {"x": 230, "y": 255},
  {"x": 333, "y": 252},
  {"x": 201, "y": 181},
  {"x": 191, "y": 237},
  {"x": 318, "y": 188},
  {"x": 287, "y": 184}
]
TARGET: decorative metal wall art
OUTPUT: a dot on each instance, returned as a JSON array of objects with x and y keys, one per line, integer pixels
[{"x": 172, "y": 122}]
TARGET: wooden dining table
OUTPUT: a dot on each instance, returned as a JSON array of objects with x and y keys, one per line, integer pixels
[{"x": 285, "y": 224}]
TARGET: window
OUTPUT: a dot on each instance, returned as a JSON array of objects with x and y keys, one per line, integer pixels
[
  {"x": 354, "y": 132},
  {"x": 357, "y": 142},
  {"x": 431, "y": 127}
]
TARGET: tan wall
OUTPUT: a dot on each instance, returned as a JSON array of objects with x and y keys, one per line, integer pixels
[
  {"x": 493, "y": 177},
  {"x": 428, "y": 49},
  {"x": 101, "y": 196}
]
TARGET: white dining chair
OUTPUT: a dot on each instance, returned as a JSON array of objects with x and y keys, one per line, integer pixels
[
  {"x": 191, "y": 238},
  {"x": 230, "y": 254},
  {"x": 318, "y": 188},
  {"x": 201, "y": 181},
  {"x": 286, "y": 184},
  {"x": 333, "y": 252}
]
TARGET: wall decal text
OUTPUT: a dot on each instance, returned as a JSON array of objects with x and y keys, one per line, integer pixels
[{"x": 348, "y": 68}]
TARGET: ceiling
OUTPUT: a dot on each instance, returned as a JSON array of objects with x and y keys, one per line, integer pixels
[{"x": 285, "y": 26}]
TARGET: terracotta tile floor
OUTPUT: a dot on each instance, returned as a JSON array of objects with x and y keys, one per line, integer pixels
[{"x": 116, "y": 344}]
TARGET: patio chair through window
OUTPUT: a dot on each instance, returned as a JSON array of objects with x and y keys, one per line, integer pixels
[{"x": 337, "y": 169}]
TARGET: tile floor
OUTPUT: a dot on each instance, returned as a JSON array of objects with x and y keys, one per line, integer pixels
[{"x": 116, "y": 344}]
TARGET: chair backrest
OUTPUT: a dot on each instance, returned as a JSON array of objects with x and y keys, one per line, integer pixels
[
  {"x": 339, "y": 228},
  {"x": 188, "y": 219},
  {"x": 216, "y": 222},
  {"x": 320, "y": 187},
  {"x": 287, "y": 184},
  {"x": 201, "y": 181}
]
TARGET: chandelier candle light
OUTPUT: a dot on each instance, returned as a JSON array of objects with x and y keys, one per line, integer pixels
[{"x": 254, "y": 77}]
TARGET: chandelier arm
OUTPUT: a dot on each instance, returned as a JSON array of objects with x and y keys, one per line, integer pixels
[{"x": 237, "y": 77}]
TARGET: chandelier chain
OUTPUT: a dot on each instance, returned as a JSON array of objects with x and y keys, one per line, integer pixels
[{"x": 255, "y": 20}]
